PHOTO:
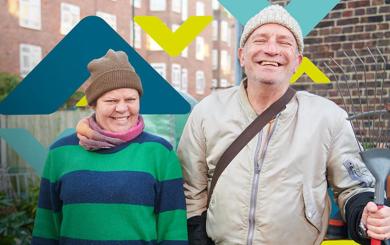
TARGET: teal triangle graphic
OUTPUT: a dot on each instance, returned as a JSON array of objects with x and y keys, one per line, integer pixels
[
  {"x": 26, "y": 146},
  {"x": 64, "y": 70},
  {"x": 308, "y": 13}
]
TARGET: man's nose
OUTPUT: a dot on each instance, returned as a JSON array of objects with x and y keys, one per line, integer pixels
[{"x": 271, "y": 48}]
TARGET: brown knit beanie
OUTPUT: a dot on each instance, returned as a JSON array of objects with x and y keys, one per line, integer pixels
[{"x": 112, "y": 71}]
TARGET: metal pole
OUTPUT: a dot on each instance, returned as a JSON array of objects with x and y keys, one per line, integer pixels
[
  {"x": 132, "y": 24},
  {"x": 3, "y": 148},
  {"x": 239, "y": 73}
]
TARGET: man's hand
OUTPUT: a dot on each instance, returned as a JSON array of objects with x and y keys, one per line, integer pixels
[{"x": 377, "y": 221}]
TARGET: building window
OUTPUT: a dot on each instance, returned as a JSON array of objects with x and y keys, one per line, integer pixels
[
  {"x": 30, "y": 56},
  {"x": 161, "y": 68},
  {"x": 200, "y": 82},
  {"x": 224, "y": 31},
  {"x": 30, "y": 14},
  {"x": 158, "y": 5},
  {"x": 184, "y": 53},
  {"x": 224, "y": 83},
  {"x": 184, "y": 80},
  {"x": 214, "y": 83},
  {"x": 176, "y": 6},
  {"x": 137, "y": 3},
  {"x": 131, "y": 33},
  {"x": 199, "y": 48},
  {"x": 176, "y": 76},
  {"x": 199, "y": 8},
  {"x": 225, "y": 61},
  {"x": 215, "y": 4},
  {"x": 175, "y": 27},
  {"x": 229, "y": 15},
  {"x": 137, "y": 34},
  {"x": 153, "y": 45},
  {"x": 214, "y": 56},
  {"x": 109, "y": 18},
  {"x": 228, "y": 36},
  {"x": 184, "y": 10},
  {"x": 215, "y": 30},
  {"x": 70, "y": 16}
]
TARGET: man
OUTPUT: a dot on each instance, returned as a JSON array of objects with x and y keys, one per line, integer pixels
[{"x": 274, "y": 190}]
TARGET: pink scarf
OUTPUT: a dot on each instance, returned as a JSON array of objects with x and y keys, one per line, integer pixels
[{"x": 93, "y": 137}]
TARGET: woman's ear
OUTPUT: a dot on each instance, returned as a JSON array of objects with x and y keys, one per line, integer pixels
[{"x": 93, "y": 106}]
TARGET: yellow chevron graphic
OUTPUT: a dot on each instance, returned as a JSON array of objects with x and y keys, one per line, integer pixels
[
  {"x": 173, "y": 42},
  {"x": 311, "y": 71},
  {"x": 82, "y": 102}
]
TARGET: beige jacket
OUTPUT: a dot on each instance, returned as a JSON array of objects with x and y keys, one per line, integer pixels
[{"x": 275, "y": 190}]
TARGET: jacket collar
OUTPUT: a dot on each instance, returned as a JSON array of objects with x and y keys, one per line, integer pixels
[
  {"x": 251, "y": 114},
  {"x": 244, "y": 102}
]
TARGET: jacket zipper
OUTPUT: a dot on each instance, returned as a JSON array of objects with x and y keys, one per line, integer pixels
[{"x": 258, "y": 163}]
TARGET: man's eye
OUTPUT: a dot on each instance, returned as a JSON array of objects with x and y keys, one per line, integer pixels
[{"x": 286, "y": 43}]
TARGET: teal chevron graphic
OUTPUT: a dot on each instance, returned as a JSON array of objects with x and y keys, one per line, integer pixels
[
  {"x": 26, "y": 146},
  {"x": 307, "y": 12},
  {"x": 64, "y": 70},
  {"x": 243, "y": 10}
]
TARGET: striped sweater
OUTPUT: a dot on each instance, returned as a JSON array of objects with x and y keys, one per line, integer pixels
[{"x": 129, "y": 194}]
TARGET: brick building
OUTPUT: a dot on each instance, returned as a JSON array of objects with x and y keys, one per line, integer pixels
[
  {"x": 353, "y": 25},
  {"x": 32, "y": 28}
]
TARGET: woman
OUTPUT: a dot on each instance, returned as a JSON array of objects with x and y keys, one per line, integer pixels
[{"x": 123, "y": 188}]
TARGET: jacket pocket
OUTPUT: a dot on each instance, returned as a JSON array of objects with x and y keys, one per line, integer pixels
[{"x": 312, "y": 212}]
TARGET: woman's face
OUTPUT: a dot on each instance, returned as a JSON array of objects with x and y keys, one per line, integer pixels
[{"x": 118, "y": 109}]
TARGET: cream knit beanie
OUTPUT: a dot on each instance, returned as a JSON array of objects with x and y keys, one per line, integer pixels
[{"x": 273, "y": 14}]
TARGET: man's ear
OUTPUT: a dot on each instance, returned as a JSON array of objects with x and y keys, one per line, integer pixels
[
  {"x": 299, "y": 61},
  {"x": 241, "y": 56}
]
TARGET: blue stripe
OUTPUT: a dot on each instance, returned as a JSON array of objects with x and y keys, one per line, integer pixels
[
  {"x": 147, "y": 137},
  {"x": 173, "y": 243},
  {"x": 170, "y": 195},
  {"x": 70, "y": 241},
  {"x": 127, "y": 187},
  {"x": 144, "y": 137},
  {"x": 68, "y": 140},
  {"x": 49, "y": 196},
  {"x": 43, "y": 241}
]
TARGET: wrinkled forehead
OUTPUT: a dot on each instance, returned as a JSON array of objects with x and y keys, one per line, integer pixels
[
  {"x": 119, "y": 93},
  {"x": 276, "y": 30}
]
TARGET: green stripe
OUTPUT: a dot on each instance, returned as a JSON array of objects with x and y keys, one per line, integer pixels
[
  {"x": 47, "y": 224},
  {"x": 146, "y": 157},
  {"x": 172, "y": 225},
  {"x": 109, "y": 222}
]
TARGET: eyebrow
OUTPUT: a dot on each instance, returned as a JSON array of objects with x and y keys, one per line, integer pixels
[
  {"x": 285, "y": 37},
  {"x": 259, "y": 35},
  {"x": 278, "y": 36}
]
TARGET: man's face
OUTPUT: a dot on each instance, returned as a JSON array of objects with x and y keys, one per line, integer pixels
[{"x": 270, "y": 55}]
